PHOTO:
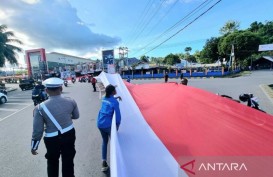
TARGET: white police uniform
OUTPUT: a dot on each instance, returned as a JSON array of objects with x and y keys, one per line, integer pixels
[{"x": 54, "y": 116}]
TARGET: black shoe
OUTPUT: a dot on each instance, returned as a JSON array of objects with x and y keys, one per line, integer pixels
[{"x": 105, "y": 166}]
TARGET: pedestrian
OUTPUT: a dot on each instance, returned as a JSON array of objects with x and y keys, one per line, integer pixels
[
  {"x": 104, "y": 121},
  {"x": 166, "y": 77},
  {"x": 54, "y": 116},
  {"x": 181, "y": 76},
  {"x": 93, "y": 82}
]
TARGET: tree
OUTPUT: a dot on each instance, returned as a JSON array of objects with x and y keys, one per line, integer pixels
[
  {"x": 255, "y": 27},
  {"x": 188, "y": 50},
  {"x": 230, "y": 27},
  {"x": 209, "y": 54},
  {"x": 188, "y": 53},
  {"x": 245, "y": 44},
  {"x": 144, "y": 58},
  {"x": 8, "y": 51},
  {"x": 197, "y": 56},
  {"x": 265, "y": 31},
  {"x": 171, "y": 59}
]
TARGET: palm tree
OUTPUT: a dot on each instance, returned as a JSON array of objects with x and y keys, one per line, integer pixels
[{"x": 8, "y": 51}]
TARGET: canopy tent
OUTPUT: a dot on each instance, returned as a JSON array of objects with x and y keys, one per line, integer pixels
[{"x": 170, "y": 129}]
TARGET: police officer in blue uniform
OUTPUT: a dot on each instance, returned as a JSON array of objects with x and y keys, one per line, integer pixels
[{"x": 54, "y": 117}]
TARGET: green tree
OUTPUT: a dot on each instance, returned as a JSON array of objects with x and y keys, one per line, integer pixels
[
  {"x": 188, "y": 56},
  {"x": 7, "y": 50},
  {"x": 245, "y": 44},
  {"x": 230, "y": 27},
  {"x": 210, "y": 54},
  {"x": 255, "y": 27},
  {"x": 144, "y": 58},
  {"x": 188, "y": 50},
  {"x": 171, "y": 59},
  {"x": 197, "y": 56}
]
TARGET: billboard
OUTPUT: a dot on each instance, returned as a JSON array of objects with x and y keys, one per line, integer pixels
[
  {"x": 36, "y": 63},
  {"x": 108, "y": 57},
  {"x": 266, "y": 47}
]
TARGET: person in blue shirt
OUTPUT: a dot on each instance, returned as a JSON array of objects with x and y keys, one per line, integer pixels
[{"x": 104, "y": 121}]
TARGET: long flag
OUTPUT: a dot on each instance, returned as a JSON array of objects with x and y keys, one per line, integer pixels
[{"x": 172, "y": 130}]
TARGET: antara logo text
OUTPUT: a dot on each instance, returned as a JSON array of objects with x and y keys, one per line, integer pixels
[{"x": 218, "y": 166}]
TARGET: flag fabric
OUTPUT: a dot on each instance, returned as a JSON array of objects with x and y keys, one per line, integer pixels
[{"x": 172, "y": 130}]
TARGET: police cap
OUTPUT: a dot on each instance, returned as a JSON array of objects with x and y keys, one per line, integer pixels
[{"x": 53, "y": 82}]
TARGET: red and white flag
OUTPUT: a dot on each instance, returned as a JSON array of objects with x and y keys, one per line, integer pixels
[{"x": 172, "y": 130}]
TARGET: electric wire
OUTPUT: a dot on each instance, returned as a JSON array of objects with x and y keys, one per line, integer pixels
[
  {"x": 184, "y": 27},
  {"x": 141, "y": 19},
  {"x": 150, "y": 19},
  {"x": 193, "y": 12}
]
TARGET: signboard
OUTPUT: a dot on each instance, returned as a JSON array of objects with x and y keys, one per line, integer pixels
[
  {"x": 265, "y": 47},
  {"x": 108, "y": 57}
]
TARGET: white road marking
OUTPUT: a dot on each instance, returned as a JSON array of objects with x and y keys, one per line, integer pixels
[
  {"x": 18, "y": 103},
  {"x": 19, "y": 98},
  {"x": 15, "y": 113},
  {"x": 6, "y": 109}
]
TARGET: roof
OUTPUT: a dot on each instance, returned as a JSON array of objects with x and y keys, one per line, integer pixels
[
  {"x": 270, "y": 58},
  {"x": 71, "y": 56}
]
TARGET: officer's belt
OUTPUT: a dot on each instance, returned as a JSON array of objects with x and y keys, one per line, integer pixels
[{"x": 57, "y": 132}]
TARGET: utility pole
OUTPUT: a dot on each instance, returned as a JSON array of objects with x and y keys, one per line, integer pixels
[
  {"x": 123, "y": 54},
  {"x": 233, "y": 64}
]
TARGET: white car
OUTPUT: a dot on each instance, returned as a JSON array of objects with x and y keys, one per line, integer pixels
[{"x": 3, "y": 98}]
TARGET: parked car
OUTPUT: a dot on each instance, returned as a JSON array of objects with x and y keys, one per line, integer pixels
[
  {"x": 3, "y": 98},
  {"x": 26, "y": 84}
]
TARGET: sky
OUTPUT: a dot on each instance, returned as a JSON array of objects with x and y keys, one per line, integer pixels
[{"x": 154, "y": 28}]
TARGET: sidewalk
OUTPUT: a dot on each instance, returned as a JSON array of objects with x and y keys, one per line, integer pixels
[{"x": 10, "y": 89}]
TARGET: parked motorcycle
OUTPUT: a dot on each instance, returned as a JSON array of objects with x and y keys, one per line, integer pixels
[
  {"x": 251, "y": 101},
  {"x": 37, "y": 96}
]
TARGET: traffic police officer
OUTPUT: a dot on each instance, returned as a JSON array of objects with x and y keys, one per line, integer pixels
[{"x": 54, "y": 116}]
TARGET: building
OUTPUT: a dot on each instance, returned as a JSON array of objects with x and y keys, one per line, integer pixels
[
  {"x": 40, "y": 63},
  {"x": 265, "y": 62}
]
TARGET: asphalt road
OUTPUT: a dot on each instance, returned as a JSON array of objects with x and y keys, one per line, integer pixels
[
  {"x": 16, "y": 129},
  {"x": 233, "y": 87},
  {"x": 16, "y": 123}
]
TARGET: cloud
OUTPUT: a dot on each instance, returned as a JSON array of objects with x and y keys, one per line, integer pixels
[{"x": 52, "y": 24}]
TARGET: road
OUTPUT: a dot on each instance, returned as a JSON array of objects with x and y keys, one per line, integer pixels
[
  {"x": 16, "y": 124},
  {"x": 233, "y": 87},
  {"x": 16, "y": 128}
]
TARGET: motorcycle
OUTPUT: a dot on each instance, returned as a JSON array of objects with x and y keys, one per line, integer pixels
[
  {"x": 73, "y": 80},
  {"x": 251, "y": 101},
  {"x": 83, "y": 79},
  {"x": 65, "y": 83},
  {"x": 37, "y": 96}
]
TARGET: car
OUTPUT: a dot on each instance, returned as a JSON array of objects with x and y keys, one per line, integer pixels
[
  {"x": 3, "y": 98},
  {"x": 26, "y": 84}
]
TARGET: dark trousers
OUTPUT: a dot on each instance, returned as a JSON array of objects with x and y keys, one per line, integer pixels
[
  {"x": 105, "y": 134},
  {"x": 94, "y": 87},
  {"x": 61, "y": 145}
]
